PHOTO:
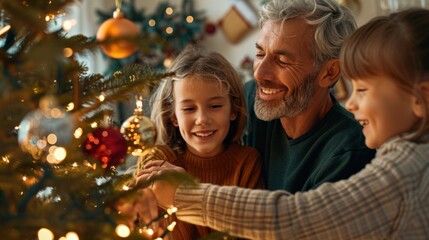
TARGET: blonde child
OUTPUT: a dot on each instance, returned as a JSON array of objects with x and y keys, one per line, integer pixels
[
  {"x": 199, "y": 115},
  {"x": 387, "y": 61}
]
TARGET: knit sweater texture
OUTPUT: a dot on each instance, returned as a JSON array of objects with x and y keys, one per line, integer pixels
[{"x": 236, "y": 166}]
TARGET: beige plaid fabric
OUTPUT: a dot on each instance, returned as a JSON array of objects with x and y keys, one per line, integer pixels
[{"x": 389, "y": 199}]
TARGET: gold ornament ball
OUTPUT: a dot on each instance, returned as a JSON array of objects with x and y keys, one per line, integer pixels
[
  {"x": 140, "y": 134},
  {"x": 117, "y": 27}
]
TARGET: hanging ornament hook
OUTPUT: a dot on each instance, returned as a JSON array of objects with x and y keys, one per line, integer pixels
[
  {"x": 117, "y": 12},
  {"x": 138, "y": 130},
  {"x": 139, "y": 104}
]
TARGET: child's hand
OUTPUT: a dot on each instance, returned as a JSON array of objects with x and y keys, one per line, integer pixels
[
  {"x": 163, "y": 190},
  {"x": 143, "y": 210}
]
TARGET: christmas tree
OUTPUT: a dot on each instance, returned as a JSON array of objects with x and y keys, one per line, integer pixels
[{"x": 58, "y": 154}]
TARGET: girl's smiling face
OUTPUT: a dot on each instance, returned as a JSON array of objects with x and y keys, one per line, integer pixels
[
  {"x": 382, "y": 108},
  {"x": 202, "y": 113}
]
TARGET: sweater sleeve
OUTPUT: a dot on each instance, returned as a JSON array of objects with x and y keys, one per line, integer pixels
[{"x": 367, "y": 206}]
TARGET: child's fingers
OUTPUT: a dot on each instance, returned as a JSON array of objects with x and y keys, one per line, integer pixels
[
  {"x": 126, "y": 209},
  {"x": 154, "y": 163},
  {"x": 146, "y": 206}
]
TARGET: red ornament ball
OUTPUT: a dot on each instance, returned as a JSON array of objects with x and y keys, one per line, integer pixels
[
  {"x": 107, "y": 145},
  {"x": 210, "y": 28},
  {"x": 117, "y": 27}
]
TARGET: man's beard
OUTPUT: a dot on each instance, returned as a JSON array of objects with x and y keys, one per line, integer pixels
[{"x": 290, "y": 106}]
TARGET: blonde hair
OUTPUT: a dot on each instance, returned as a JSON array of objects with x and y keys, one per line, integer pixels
[
  {"x": 396, "y": 46},
  {"x": 192, "y": 63}
]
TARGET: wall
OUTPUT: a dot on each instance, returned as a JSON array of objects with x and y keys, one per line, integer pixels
[
  {"x": 235, "y": 53},
  {"x": 85, "y": 14},
  {"x": 87, "y": 23}
]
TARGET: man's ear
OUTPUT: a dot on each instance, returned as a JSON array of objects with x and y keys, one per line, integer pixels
[
  {"x": 420, "y": 105},
  {"x": 329, "y": 73},
  {"x": 174, "y": 121}
]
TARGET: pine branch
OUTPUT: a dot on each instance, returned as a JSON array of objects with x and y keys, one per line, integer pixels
[
  {"x": 33, "y": 190},
  {"x": 121, "y": 86}
]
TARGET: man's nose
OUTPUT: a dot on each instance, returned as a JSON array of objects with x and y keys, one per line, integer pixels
[{"x": 262, "y": 69}]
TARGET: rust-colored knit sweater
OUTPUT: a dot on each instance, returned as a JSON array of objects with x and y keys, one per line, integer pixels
[{"x": 236, "y": 166}]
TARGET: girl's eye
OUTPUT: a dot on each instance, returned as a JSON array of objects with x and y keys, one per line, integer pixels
[
  {"x": 216, "y": 106},
  {"x": 361, "y": 89},
  {"x": 187, "y": 109}
]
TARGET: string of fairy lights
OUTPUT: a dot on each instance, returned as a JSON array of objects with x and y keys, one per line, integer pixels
[
  {"x": 121, "y": 230},
  {"x": 49, "y": 143}
]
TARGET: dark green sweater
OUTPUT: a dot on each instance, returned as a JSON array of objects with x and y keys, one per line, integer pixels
[{"x": 333, "y": 149}]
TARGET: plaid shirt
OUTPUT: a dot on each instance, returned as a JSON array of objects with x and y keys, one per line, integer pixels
[{"x": 389, "y": 199}]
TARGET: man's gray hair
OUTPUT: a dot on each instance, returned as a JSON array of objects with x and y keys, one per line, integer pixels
[{"x": 333, "y": 23}]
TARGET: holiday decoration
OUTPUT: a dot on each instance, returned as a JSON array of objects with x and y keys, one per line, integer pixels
[
  {"x": 246, "y": 68},
  {"x": 45, "y": 129},
  {"x": 66, "y": 194},
  {"x": 239, "y": 20},
  {"x": 107, "y": 145},
  {"x": 138, "y": 131},
  {"x": 210, "y": 28},
  {"x": 166, "y": 31},
  {"x": 112, "y": 30}
]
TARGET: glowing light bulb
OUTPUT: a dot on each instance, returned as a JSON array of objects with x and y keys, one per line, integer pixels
[
  {"x": 171, "y": 210},
  {"x": 149, "y": 231},
  {"x": 72, "y": 236},
  {"x": 6, "y": 159},
  {"x": 68, "y": 24},
  {"x": 122, "y": 230},
  {"x": 70, "y": 106},
  {"x": 67, "y": 52},
  {"x": 171, "y": 226},
  {"x": 45, "y": 234},
  {"x": 189, "y": 19},
  {"x": 169, "y": 30},
  {"x": 169, "y": 10},
  {"x": 4, "y": 29},
  {"x": 52, "y": 139},
  {"x": 78, "y": 133},
  {"x": 60, "y": 154}
]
